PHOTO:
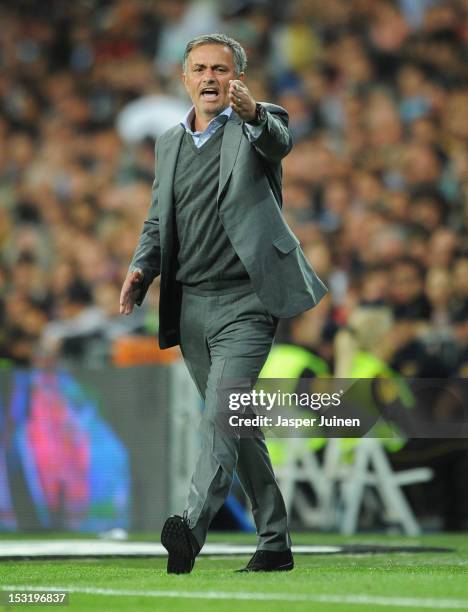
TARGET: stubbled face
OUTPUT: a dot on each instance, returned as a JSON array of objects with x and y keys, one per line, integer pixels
[{"x": 208, "y": 72}]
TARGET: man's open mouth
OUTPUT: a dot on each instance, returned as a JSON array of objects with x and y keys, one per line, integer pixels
[{"x": 209, "y": 93}]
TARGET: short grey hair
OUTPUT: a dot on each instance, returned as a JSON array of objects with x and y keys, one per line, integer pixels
[{"x": 238, "y": 52}]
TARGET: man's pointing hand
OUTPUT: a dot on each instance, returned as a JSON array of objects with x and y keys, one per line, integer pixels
[
  {"x": 241, "y": 100},
  {"x": 130, "y": 290}
]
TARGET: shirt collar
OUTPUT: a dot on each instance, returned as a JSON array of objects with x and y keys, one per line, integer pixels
[{"x": 187, "y": 120}]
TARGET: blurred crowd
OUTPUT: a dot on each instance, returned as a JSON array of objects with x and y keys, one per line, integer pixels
[{"x": 376, "y": 187}]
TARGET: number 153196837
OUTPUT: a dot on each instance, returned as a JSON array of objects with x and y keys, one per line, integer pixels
[{"x": 34, "y": 597}]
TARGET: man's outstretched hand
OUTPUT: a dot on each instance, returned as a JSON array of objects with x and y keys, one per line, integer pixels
[
  {"x": 130, "y": 290},
  {"x": 241, "y": 100}
]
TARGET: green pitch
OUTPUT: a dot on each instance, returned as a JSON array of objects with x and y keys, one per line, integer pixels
[{"x": 378, "y": 582}]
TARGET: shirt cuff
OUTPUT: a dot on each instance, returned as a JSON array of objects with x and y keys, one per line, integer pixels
[{"x": 254, "y": 131}]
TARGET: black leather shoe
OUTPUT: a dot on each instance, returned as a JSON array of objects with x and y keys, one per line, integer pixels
[
  {"x": 181, "y": 545},
  {"x": 270, "y": 561}
]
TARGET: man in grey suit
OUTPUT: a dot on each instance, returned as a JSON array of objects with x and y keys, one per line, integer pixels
[{"x": 230, "y": 267}]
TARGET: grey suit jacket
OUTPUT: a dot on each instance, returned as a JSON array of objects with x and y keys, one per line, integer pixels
[{"x": 249, "y": 205}]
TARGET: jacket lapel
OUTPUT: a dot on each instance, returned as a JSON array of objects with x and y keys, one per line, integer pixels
[
  {"x": 167, "y": 158},
  {"x": 229, "y": 149}
]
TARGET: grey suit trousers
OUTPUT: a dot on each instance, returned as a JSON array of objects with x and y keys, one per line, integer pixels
[{"x": 227, "y": 334}]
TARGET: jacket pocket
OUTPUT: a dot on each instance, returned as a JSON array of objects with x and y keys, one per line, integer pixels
[{"x": 286, "y": 243}]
